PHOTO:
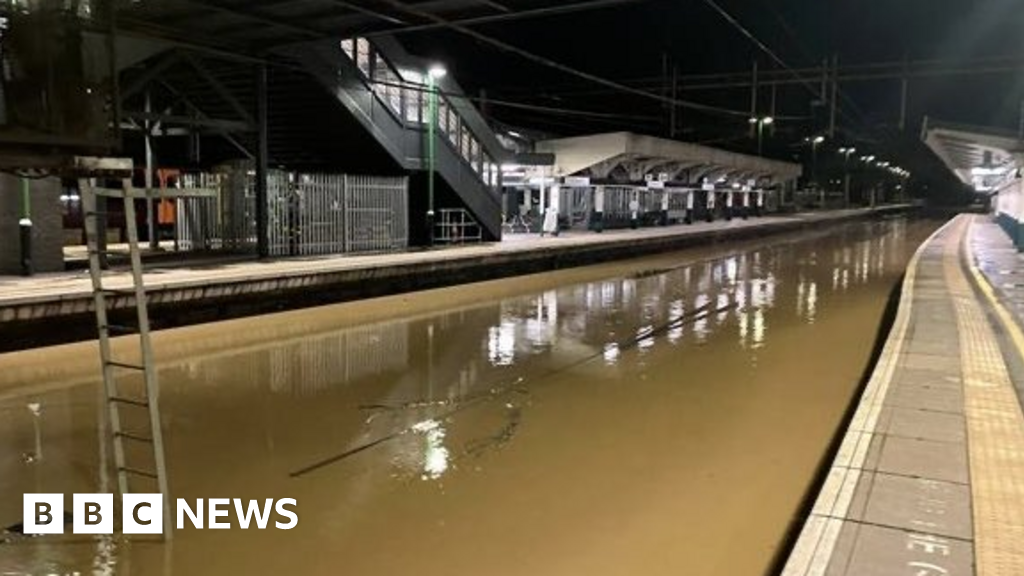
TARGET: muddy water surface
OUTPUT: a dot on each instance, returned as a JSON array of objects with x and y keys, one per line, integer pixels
[{"x": 660, "y": 416}]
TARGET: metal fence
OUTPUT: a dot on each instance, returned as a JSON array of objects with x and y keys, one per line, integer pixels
[
  {"x": 307, "y": 214},
  {"x": 198, "y": 223},
  {"x": 376, "y": 213},
  {"x": 314, "y": 214}
]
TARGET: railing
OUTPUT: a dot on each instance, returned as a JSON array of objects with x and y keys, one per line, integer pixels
[
  {"x": 407, "y": 98},
  {"x": 457, "y": 226}
]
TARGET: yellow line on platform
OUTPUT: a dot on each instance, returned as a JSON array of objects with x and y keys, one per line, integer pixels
[{"x": 995, "y": 422}]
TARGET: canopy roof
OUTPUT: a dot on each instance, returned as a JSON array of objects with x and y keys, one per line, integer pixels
[{"x": 634, "y": 157}]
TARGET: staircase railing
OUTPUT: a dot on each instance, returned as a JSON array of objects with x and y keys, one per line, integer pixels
[{"x": 392, "y": 102}]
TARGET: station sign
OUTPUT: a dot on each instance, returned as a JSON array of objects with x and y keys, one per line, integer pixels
[
  {"x": 577, "y": 181},
  {"x": 656, "y": 185},
  {"x": 708, "y": 187}
]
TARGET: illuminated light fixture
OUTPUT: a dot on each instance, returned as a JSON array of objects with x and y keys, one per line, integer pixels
[
  {"x": 437, "y": 71},
  {"x": 768, "y": 121},
  {"x": 818, "y": 139},
  {"x": 515, "y": 134},
  {"x": 753, "y": 120},
  {"x": 993, "y": 171}
]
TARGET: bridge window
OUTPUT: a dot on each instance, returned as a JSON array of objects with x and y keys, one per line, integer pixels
[
  {"x": 349, "y": 46},
  {"x": 363, "y": 51}
]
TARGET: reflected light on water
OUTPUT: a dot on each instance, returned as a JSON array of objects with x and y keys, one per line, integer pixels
[
  {"x": 501, "y": 344},
  {"x": 435, "y": 455}
]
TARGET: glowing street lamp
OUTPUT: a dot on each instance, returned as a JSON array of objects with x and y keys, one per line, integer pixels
[
  {"x": 761, "y": 123},
  {"x": 847, "y": 152}
]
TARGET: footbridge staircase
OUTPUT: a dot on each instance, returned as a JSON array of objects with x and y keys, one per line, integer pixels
[{"x": 388, "y": 91}]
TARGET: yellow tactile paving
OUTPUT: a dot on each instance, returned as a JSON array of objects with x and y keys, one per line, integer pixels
[{"x": 995, "y": 422}]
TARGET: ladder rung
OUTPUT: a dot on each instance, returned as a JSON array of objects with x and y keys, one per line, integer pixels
[
  {"x": 116, "y": 328},
  {"x": 128, "y": 436},
  {"x": 137, "y": 472},
  {"x": 117, "y": 364},
  {"x": 129, "y": 401}
]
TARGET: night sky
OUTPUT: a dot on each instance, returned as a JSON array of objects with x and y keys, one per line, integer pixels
[{"x": 629, "y": 43}]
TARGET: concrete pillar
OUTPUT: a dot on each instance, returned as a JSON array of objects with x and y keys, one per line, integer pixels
[
  {"x": 728, "y": 205},
  {"x": 634, "y": 210},
  {"x": 597, "y": 223},
  {"x": 711, "y": 206},
  {"x": 551, "y": 215},
  {"x": 689, "y": 206},
  {"x": 664, "y": 208},
  {"x": 746, "y": 204}
]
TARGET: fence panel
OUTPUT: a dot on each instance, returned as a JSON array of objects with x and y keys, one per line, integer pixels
[
  {"x": 307, "y": 214},
  {"x": 376, "y": 214}
]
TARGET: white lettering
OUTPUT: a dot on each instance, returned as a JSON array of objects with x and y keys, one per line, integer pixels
[
  {"x": 281, "y": 510},
  {"x": 253, "y": 510},
  {"x": 197, "y": 518},
  {"x": 216, "y": 512}
]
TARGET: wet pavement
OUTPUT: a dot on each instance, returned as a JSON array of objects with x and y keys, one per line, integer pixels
[{"x": 657, "y": 416}]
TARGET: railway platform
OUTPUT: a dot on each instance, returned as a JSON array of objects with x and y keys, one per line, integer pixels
[{"x": 929, "y": 477}]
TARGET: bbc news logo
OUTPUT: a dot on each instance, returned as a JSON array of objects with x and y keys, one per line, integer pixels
[{"x": 144, "y": 513}]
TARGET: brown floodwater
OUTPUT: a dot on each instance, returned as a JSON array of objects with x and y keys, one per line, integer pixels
[{"x": 657, "y": 416}]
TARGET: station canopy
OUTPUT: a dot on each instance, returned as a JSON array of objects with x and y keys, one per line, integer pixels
[
  {"x": 981, "y": 157},
  {"x": 628, "y": 157}
]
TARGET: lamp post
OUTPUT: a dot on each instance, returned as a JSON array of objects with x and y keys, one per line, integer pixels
[
  {"x": 25, "y": 229},
  {"x": 815, "y": 142},
  {"x": 869, "y": 162},
  {"x": 846, "y": 152},
  {"x": 435, "y": 73},
  {"x": 761, "y": 123}
]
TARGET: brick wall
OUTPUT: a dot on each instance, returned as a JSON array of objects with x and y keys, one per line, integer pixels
[{"x": 47, "y": 225}]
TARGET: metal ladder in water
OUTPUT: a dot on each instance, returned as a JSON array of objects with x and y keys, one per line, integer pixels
[{"x": 118, "y": 394}]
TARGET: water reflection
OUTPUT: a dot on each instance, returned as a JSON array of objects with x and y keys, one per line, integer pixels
[{"x": 500, "y": 400}]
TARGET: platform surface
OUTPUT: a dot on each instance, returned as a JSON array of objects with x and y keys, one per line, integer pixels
[
  {"x": 929, "y": 479},
  {"x": 48, "y": 287}
]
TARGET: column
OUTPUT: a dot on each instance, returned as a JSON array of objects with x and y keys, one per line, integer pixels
[{"x": 598, "y": 224}]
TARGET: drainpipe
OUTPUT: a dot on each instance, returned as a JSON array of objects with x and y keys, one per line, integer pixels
[{"x": 25, "y": 229}]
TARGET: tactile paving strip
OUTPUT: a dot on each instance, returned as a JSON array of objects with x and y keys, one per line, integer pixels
[{"x": 995, "y": 423}]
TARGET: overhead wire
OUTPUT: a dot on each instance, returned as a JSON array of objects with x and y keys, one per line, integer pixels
[
  {"x": 725, "y": 14},
  {"x": 547, "y": 62}
]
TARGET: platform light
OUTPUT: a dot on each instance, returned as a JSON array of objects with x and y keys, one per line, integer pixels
[
  {"x": 768, "y": 121},
  {"x": 437, "y": 71},
  {"x": 818, "y": 139},
  {"x": 990, "y": 171}
]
